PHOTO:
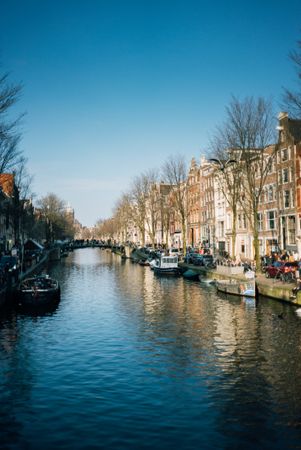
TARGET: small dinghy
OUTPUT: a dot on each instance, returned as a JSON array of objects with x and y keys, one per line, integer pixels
[{"x": 191, "y": 275}]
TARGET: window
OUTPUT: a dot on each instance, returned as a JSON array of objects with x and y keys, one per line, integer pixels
[
  {"x": 282, "y": 136},
  {"x": 285, "y": 176},
  {"x": 220, "y": 229},
  {"x": 229, "y": 221},
  {"x": 291, "y": 230},
  {"x": 279, "y": 177},
  {"x": 265, "y": 191},
  {"x": 284, "y": 155},
  {"x": 271, "y": 220},
  {"x": 292, "y": 199},
  {"x": 270, "y": 194},
  {"x": 262, "y": 196},
  {"x": 286, "y": 199},
  {"x": 244, "y": 221},
  {"x": 260, "y": 224}
]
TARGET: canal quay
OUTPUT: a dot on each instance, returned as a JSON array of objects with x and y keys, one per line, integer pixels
[{"x": 129, "y": 360}]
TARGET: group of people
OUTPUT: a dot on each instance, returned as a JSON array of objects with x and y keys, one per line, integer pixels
[{"x": 280, "y": 256}]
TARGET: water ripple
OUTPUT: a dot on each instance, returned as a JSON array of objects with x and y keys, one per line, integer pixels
[{"x": 129, "y": 360}]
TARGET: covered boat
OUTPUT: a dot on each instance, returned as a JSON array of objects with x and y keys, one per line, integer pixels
[
  {"x": 167, "y": 265},
  {"x": 234, "y": 287},
  {"x": 191, "y": 275},
  {"x": 39, "y": 291}
]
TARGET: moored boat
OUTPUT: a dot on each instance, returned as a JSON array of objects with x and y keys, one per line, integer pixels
[
  {"x": 143, "y": 262},
  {"x": 153, "y": 263},
  {"x": 191, "y": 275},
  {"x": 234, "y": 287},
  {"x": 167, "y": 265},
  {"x": 39, "y": 291}
]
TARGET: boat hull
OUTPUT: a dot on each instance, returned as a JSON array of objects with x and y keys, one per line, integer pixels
[
  {"x": 191, "y": 275},
  {"x": 38, "y": 292},
  {"x": 239, "y": 289},
  {"x": 38, "y": 298},
  {"x": 167, "y": 271}
]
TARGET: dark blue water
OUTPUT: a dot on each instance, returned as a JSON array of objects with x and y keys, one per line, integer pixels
[{"x": 128, "y": 360}]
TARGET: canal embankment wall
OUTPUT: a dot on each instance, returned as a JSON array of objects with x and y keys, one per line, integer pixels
[{"x": 266, "y": 287}]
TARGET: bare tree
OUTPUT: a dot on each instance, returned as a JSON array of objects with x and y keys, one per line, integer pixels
[
  {"x": 248, "y": 132},
  {"x": 98, "y": 228},
  {"x": 123, "y": 216},
  {"x": 162, "y": 209},
  {"x": 228, "y": 175},
  {"x": 138, "y": 195},
  {"x": 53, "y": 212},
  {"x": 291, "y": 100},
  {"x": 175, "y": 172},
  {"x": 152, "y": 213},
  {"x": 10, "y": 155},
  {"x": 23, "y": 210},
  {"x": 105, "y": 229}
]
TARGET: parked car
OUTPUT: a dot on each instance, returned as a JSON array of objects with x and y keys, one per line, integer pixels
[
  {"x": 280, "y": 269},
  {"x": 176, "y": 252},
  {"x": 198, "y": 259},
  {"x": 190, "y": 257},
  {"x": 205, "y": 260}
]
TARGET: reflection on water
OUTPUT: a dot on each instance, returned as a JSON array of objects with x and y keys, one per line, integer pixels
[{"x": 130, "y": 360}]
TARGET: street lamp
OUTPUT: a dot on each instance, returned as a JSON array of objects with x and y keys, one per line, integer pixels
[{"x": 223, "y": 164}]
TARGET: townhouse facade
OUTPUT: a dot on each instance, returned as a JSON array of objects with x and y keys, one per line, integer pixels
[
  {"x": 9, "y": 218},
  {"x": 289, "y": 183},
  {"x": 268, "y": 207},
  {"x": 193, "y": 204}
]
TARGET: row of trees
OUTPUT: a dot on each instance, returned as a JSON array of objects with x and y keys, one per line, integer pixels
[
  {"x": 51, "y": 222},
  {"x": 143, "y": 206}
]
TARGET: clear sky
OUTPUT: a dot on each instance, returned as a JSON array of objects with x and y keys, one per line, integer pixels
[{"x": 113, "y": 87}]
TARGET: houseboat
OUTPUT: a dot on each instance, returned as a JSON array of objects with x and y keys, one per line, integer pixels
[{"x": 167, "y": 265}]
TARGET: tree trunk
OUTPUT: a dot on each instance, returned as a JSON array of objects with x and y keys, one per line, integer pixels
[
  {"x": 256, "y": 242},
  {"x": 184, "y": 235},
  {"x": 143, "y": 238},
  {"x": 234, "y": 223}
]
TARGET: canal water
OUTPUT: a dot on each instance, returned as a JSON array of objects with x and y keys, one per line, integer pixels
[{"x": 128, "y": 360}]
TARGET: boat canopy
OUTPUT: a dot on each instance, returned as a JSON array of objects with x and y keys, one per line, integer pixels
[
  {"x": 31, "y": 244},
  {"x": 169, "y": 261}
]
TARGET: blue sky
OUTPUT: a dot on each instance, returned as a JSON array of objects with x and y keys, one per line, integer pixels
[{"x": 112, "y": 88}]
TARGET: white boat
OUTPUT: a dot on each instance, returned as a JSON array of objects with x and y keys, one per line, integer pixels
[
  {"x": 167, "y": 265},
  {"x": 235, "y": 287},
  {"x": 206, "y": 280},
  {"x": 153, "y": 263}
]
